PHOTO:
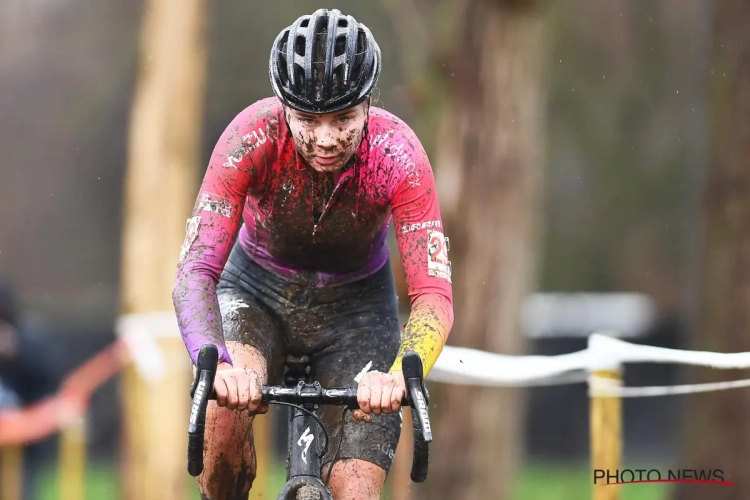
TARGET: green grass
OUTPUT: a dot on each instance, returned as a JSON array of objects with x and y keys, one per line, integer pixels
[
  {"x": 574, "y": 482},
  {"x": 102, "y": 484},
  {"x": 565, "y": 481}
]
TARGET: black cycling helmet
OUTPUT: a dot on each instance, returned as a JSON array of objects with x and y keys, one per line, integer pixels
[{"x": 324, "y": 62}]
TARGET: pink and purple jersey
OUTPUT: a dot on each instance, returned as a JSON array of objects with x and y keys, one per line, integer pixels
[{"x": 256, "y": 176}]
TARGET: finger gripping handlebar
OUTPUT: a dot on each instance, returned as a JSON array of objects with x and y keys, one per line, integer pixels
[{"x": 202, "y": 391}]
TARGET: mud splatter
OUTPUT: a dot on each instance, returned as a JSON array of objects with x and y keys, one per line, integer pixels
[
  {"x": 356, "y": 479},
  {"x": 311, "y": 232},
  {"x": 315, "y": 230},
  {"x": 229, "y": 455},
  {"x": 427, "y": 330},
  {"x": 343, "y": 142},
  {"x": 342, "y": 329}
]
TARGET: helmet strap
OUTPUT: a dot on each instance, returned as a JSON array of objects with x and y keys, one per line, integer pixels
[
  {"x": 286, "y": 119},
  {"x": 367, "y": 117}
]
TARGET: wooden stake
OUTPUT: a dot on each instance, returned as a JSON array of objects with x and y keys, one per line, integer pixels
[
  {"x": 72, "y": 461},
  {"x": 606, "y": 436},
  {"x": 11, "y": 473}
]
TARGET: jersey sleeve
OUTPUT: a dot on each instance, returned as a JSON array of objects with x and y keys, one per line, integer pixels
[
  {"x": 424, "y": 256},
  {"x": 419, "y": 227},
  {"x": 238, "y": 164}
]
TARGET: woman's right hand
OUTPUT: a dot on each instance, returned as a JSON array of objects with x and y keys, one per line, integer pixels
[{"x": 239, "y": 389}]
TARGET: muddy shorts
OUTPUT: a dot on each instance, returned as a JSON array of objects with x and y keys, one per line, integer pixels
[{"x": 345, "y": 330}]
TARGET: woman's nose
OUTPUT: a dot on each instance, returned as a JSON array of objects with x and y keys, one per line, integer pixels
[{"x": 326, "y": 137}]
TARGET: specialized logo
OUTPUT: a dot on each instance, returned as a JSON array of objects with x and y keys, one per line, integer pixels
[
  {"x": 305, "y": 440},
  {"x": 437, "y": 255},
  {"x": 386, "y": 449},
  {"x": 251, "y": 141},
  {"x": 390, "y": 149}
]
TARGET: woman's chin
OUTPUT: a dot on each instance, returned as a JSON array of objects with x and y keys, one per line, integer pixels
[{"x": 326, "y": 169}]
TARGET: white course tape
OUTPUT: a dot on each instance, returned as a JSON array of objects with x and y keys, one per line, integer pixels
[
  {"x": 458, "y": 365},
  {"x": 611, "y": 350},
  {"x": 598, "y": 388}
]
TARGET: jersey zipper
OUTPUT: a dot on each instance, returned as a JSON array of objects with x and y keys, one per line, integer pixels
[{"x": 344, "y": 177}]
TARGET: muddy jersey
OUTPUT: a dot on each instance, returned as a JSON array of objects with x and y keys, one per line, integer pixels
[{"x": 258, "y": 190}]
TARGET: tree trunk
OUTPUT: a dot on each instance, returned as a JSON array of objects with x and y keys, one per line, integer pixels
[
  {"x": 164, "y": 151},
  {"x": 489, "y": 173},
  {"x": 718, "y": 435},
  {"x": 160, "y": 186}
]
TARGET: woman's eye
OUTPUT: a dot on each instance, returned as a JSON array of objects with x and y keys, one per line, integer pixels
[
  {"x": 307, "y": 121},
  {"x": 343, "y": 119}
]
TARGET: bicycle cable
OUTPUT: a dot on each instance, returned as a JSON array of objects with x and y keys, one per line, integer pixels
[{"x": 338, "y": 447}]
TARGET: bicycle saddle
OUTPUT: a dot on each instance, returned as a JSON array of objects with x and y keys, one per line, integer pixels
[{"x": 296, "y": 369}]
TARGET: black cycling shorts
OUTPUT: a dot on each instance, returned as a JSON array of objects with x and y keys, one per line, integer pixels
[{"x": 346, "y": 330}]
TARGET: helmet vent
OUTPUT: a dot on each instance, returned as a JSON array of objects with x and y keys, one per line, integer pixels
[{"x": 332, "y": 64}]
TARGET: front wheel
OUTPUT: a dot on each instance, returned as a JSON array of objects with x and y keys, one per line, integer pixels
[{"x": 304, "y": 488}]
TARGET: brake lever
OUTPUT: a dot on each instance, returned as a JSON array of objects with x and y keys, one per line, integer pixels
[
  {"x": 413, "y": 376},
  {"x": 199, "y": 392}
]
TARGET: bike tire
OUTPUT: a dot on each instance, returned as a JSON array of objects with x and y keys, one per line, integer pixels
[
  {"x": 304, "y": 488},
  {"x": 308, "y": 493}
]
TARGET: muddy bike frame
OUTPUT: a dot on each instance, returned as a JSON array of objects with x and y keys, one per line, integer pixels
[{"x": 305, "y": 448}]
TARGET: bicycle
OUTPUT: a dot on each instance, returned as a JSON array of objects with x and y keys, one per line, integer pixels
[{"x": 304, "y": 480}]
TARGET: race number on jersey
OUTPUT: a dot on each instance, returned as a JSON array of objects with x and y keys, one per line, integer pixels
[{"x": 437, "y": 256}]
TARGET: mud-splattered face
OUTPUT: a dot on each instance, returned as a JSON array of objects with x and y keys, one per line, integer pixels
[{"x": 327, "y": 141}]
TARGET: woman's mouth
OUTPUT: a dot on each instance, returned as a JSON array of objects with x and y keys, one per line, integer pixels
[{"x": 327, "y": 160}]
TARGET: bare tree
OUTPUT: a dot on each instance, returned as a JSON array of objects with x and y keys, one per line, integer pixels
[
  {"x": 489, "y": 172},
  {"x": 164, "y": 151},
  {"x": 718, "y": 436}
]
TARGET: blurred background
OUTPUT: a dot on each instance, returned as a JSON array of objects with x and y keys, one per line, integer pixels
[{"x": 579, "y": 146}]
